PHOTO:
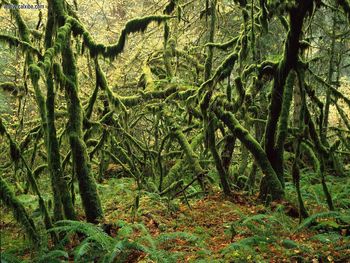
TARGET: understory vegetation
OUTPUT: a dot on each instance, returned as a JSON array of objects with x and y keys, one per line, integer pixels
[{"x": 175, "y": 131}]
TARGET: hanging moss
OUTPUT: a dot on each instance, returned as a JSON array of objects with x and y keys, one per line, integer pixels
[
  {"x": 9, "y": 199},
  {"x": 147, "y": 78},
  {"x": 170, "y": 7},
  {"x": 34, "y": 73},
  {"x": 22, "y": 28},
  {"x": 112, "y": 51},
  {"x": 50, "y": 53},
  {"x": 223, "y": 71},
  {"x": 23, "y": 45},
  {"x": 132, "y": 26}
]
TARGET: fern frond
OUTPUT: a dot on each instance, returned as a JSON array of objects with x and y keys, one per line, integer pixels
[
  {"x": 81, "y": 250},
  {"x": 54, "y": 256},
  {"x": 9, "y": 258},
  {"x": 94, "y": 233},
  {"x": 166, "y": 237},
  {"x": 331, "y": 237},
  {"x": 247, "y": 244},
  {"x": 310, "y": 220}
]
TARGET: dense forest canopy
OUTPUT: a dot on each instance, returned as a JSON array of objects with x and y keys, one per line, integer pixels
[{"x": 175, "y": 130}]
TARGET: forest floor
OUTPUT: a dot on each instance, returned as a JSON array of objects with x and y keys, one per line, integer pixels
[{"x": 210, "y": 229}]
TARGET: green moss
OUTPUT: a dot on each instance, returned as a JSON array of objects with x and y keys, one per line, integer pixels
[
  {"x": 263, "y": 17},
  {"x": 218, "y": 162},
  {"x": 345, "y": 4},
  {"x": 224, "y": 46},
  {"x": 147, "y": 78},
  {"x": 283, "y": 125},
  {"x": 211, "y": 34},
  {"x": 274, "y": 185},
  {"x": 170, "y": 7},
  {"x": 336, "y": 93},
  {"x": 191, "y": 59},
  {"x": 9, "y": 199},
  {"x": 132, "y": 26},
  {"x": 23, "y": 45},
  {"x": 82, "y": 167},
  {"x": 180, "y": 163},
  {"x": 286, "y": 64}
]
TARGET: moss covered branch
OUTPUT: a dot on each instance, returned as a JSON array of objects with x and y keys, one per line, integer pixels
[
  {"x": 275, "y": 187},
  {"x": 9, "y": 199},
  {"x": 23, "y": 45}
]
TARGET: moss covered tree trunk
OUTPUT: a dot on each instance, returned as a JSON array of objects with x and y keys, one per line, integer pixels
[
  {"x": 54, "y": 160},
  {"x": 287, "y": 63},
  {"x": 218, "y": 162},
  {"x": 82, "y": 168},
  {"x": 59, "y": 187}
]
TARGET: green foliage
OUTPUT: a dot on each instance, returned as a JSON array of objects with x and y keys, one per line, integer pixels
[
  {"x": 323, "y": 215},
  {"x": 170, "y": 7},
  {"x": 9, "y": 258},
  {"x": 99, "y": 246},
  {"x": 289, "y": 244},
  {"x": 345, "y": 4},
  {"x": 54, "y": 256},
  {"x": 112, "y": 51},
  {"x": 160, "y": 136},
  {"x": 23, "y": 45},
  {"x": 9, "y": 199},
  {"x": 243, "y": 250}
]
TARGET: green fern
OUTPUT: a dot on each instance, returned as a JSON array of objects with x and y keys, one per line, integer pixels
[
  {"x": 331, "y": 214},
  {"x": 99, "y": 247},
  {"x": 54, "y": 256},
  {"x": 166, "y": 237},
  {"x": 327, "y": 237},
  {"x": 92, "y": 232},
  {"x": 238, "y": 251},
  {"x": 81, "y": 250},
  {"x": 9, "y": 258}
]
